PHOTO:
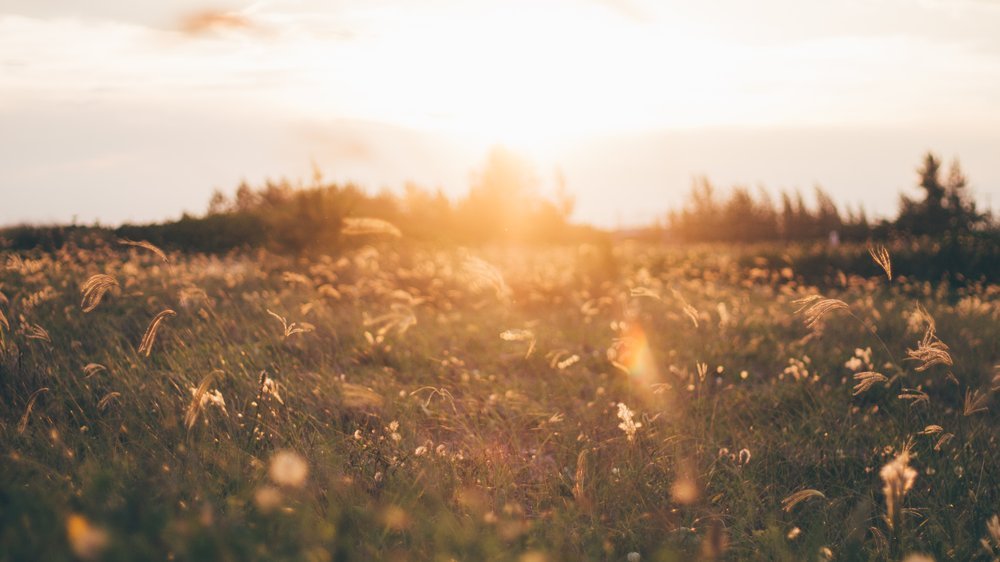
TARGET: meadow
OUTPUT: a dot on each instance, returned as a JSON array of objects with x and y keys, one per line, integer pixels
[{"x": 402, "y": 402}]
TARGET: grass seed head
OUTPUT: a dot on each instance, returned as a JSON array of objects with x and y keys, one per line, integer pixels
[
  {"x": 94, "y": 290},
  {"x": 146, "y": 346}
]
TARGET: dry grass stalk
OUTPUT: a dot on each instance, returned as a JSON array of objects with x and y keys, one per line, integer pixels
[
  {"x": 815, "y": 307},
  {"x": 402, "y": 318},
  {"x": 146, "y": 246},
  {"x": 690, "y": 311},
  {"x": 915, "y": 395},
  {"x": 360, "y": 226},
  {"x": 92, "y": 369},
  {"x": 932, "y": 430},
  {"x": 484, "y": 274},
  {"x": 107, "y": 400},
  {"x": 357, "y": 397},
  {"x": 146, "y": 346},
  {"x": 293, "y": 328},
  {"x": 991, "y": 542},
  {"x": 798, "y": 497},
  {"x": 715, "y": 542},
  {"x": 640, "y": 292},
  {"x": 898, "y": 478},
  {"x": 36, "y": 332},
  {"x": 520, "y": 335},
  {"x": 881, "y": 256},
  {"x": 4, "y": 327},
  {"x": 866, "y": 380},
  {"x": 942, "y": 440},
  {"x": 200, "y": 398},
  {"x": 975, "y": 402},
  {"x": 580, "y": 482},
  {"x": 23, "y": 424},
  {"x": 930, "y": 350},
  {"x": 94, "y": 290}
]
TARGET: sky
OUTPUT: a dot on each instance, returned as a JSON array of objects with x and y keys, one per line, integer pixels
[{"x": 125, "y": 110}]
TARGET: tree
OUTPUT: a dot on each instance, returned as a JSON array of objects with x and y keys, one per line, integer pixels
[
  {"x": 502, "y": 197},
  {"x": 946, "y": 206}
]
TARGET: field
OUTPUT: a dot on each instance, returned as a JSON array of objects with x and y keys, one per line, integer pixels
[{"x": 397, "y": 402}]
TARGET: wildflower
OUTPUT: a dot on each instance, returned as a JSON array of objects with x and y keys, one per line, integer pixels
[
  {"x": 269, "y": 387},
  {"x": 628, "y": 425},
  {"x": 288, "y": 468},
  {"x": 393, "y": 433},
  {"x": 420, "y": 451}
]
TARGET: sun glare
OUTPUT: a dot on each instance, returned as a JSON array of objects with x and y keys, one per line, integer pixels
[{"x": 530, "y": 78}]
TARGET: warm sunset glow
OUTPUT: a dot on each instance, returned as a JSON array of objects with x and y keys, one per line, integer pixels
[{"x": 634, "y": 94}]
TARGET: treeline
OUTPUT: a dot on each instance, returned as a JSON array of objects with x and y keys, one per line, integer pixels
[
  {"x": 504, "y": 205},
  {"x": 745, "y": 215}
]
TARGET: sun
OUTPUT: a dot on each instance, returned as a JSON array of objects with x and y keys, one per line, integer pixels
[{"x": 529, "y": 78}]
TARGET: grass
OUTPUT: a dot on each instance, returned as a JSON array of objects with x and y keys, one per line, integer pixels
[{"x": 451, "y": 405}]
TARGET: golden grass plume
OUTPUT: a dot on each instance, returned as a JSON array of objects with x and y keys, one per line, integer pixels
[
  {"x": 881, "y": 256},
  {"x": 294, "y": 327},
  {"x": 23, "y": 424},
  {"x": 145, "y": 245},
  {"x": 146, "y": 346},
  {"x": 930, "y": 350},
  {"x": 94, "y": 290},
  {"x": 867, "y": 380},
  {"x": 198, "y": 400},
  {"x": 800, "y": 496},
  {"x": 815, "y": 307},
  {"x": 897, "y": 478}
]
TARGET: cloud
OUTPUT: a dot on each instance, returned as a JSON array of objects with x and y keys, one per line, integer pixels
[{"x": 209, "y": 21}]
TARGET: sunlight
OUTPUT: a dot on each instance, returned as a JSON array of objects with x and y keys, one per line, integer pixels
[{"x": 496, "y": 75}]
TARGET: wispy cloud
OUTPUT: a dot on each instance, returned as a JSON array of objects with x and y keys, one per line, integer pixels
[{"x": 208, "y": 21}]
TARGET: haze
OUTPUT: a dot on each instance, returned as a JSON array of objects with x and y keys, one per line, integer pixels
[{"x": 118, "y": 111}]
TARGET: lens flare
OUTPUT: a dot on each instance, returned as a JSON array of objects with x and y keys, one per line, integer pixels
[{"x": 633, "y": 356}]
